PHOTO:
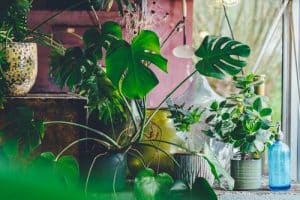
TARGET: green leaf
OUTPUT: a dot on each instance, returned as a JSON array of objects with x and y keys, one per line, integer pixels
[
  {"x": 214, "y": 106},
  {"x": 217, "y": 169},
  {"x": 257, "y": 104},
  {"x": 79, "y": 63},
  {"x": 219, "y": 55},
  {"x": 265, "y": 112},
  {"x": 238, "y": 143},
  {"x": 127, "y": 68},
  {"x": 149, "y": 186},
  {"x": 202, "y": 190},
  {"x": 65, "y": 170},
  {"x": 67, "y": 167},
  {"x": 225, "y": 116},
  {"x": 210, "y": 118},
  {"x": 22, "y": 132},
  {"x": 179, "y": 186}
]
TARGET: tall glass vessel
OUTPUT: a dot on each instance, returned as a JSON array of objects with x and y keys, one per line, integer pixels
[{"x": 279, "y": 165}]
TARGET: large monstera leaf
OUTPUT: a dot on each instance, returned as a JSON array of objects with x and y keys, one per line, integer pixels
[
  {"x": 77, "y": 63},
  {"x": 220, "y": 55},
  {"x": 128, "y": 64}
]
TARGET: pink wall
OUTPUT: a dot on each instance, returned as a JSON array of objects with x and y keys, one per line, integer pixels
[{"x": 80, "y": 20}]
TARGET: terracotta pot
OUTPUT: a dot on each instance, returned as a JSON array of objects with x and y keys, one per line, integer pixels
[{"x": 23, "y": 67}]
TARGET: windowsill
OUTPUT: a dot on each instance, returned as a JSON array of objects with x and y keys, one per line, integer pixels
[{"x": 262, "y": 194}]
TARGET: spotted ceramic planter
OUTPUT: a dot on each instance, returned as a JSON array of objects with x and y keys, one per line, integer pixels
[{"x": 23, "y": 68}]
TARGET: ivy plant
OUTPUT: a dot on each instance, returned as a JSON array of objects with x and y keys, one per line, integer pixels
[{"x": 242, "y": 119}]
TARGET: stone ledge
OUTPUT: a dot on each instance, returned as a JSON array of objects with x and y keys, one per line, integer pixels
[{"x": 263, "y": 194}]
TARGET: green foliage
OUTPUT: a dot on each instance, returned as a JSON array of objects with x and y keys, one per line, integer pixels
[
  {"x": 220, "y": 55},
  {"x": 35, "y": 183},
  {"x": 184, "y": 118},
  {"x": 65, "y": 169},
  {"x": 3, "y": 84},
  {"x": 242, "y": 119},
  {"x": 202, "y": 190},
  {"x": 78, "y": 69},
  {"x": 128, "y": 64},
  {"x": 22, "y": 132},
  {"x": 217, "y": 169},
  {"x": 149, "y": 186},
  {"x": 13, "y": 19}
]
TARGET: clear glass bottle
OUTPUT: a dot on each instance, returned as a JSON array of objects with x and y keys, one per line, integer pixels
[{"x": 279, "y": 165}]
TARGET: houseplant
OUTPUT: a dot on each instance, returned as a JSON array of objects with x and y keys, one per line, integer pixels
[
  {"x": 243, "y": 120},
  {"x": 18, "y": 43},
  {"x": 22, "y": 57},
  {"x": 128, "y": 77}
]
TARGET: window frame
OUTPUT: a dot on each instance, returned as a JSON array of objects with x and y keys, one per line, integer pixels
[{"x": 290, "y": 92}]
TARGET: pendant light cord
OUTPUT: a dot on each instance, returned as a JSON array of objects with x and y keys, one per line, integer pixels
[{"x": 230, "y": 28}]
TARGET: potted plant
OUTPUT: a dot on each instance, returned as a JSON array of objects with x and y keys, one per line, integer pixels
[
  {"x": 243, "y": 120},
  {"x": 128, "y": 78},
  {"x": 18, "y": 48}
]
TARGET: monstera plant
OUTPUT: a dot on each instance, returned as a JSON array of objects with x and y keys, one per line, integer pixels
[{"x": 127, "y": 77}]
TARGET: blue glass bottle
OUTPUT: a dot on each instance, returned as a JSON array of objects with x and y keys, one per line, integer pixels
[{"x": 279, "y": 165}]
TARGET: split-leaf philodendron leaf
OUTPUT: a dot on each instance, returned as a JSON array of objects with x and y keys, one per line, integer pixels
[
  {"x": 221, "y": 55},
  {"x": 128, "y": 64},
  {"x": 77, "y": 63}
]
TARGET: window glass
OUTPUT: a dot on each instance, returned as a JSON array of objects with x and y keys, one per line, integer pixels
[{"x": 250, "y": 21}]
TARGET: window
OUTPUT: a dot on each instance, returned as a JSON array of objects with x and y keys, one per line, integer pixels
[{"x": 251, "y": 23}]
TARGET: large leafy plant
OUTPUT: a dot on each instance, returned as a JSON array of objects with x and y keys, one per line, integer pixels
[
  {"x": 243, "y": 119},
  {"x": 79, "y": 69},
  {"x": 129, "y": 75}
]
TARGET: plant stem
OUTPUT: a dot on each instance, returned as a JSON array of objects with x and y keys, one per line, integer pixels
[
  {"x": 230, "y": 28},
  {"x": 168, "y": 95},
  {"x": 111, "y": 122},
  {"x": 107, "y": 145},
  {"x": 90, "y": 170},
  {"x": 56, "y": 14},
  {"x": 144, "y": 119},
  {"x": 87, "y": 128},
  {"x": 130, "y": 111}
]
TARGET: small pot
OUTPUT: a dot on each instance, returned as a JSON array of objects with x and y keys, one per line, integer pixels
[
  {"x": 109, "y": 173},
  {"x": 23, "y": 67},
  {"x": 247, "y": 174},
  {"x": 192, "y": 167}
]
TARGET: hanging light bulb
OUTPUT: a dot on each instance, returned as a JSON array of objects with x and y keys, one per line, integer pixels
[{"x": 184, "y": 51}]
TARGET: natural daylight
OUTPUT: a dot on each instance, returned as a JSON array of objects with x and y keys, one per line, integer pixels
[{"x": 149, "y": 99}]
